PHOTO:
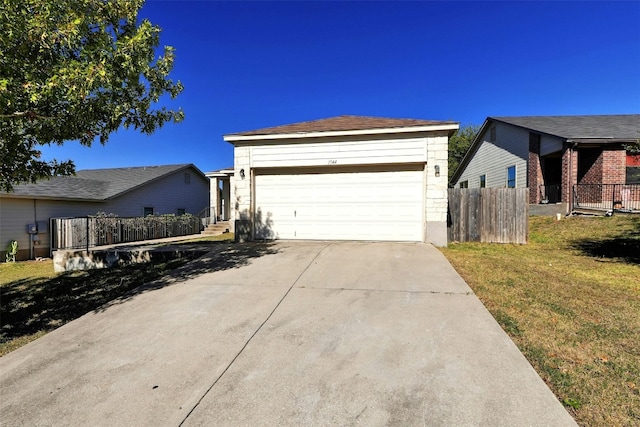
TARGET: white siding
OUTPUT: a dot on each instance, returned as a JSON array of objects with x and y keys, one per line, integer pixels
[
  {"x": 339, "y": 153},
  {"x": 492, "y": 159}
]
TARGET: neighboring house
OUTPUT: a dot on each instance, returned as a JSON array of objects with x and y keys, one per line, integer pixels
[
  {"x": 342, "y": 178},
  {"x": 126, "y": 192},
  {"x": 552, "y": 154}
]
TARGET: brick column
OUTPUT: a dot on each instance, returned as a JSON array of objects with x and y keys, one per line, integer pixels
[
  {"x": 534, "y": 169},
  {"x": 569, "y": 172}
]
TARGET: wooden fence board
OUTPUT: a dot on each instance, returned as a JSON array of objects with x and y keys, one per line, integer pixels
[
  {"x": 76, "y": 233},
  {"x": 496, "y": 215}
]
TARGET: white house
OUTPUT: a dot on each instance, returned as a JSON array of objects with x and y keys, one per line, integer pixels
[
  {"x": 342, "y": 178},
  {"x": 126, "y": 192}
]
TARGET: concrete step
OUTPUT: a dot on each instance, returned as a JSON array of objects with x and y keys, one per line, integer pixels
[{"x": 216, "y": 229}]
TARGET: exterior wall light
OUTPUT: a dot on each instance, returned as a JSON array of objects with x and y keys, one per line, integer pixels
[
  {"x": 437, "y": 168},
  {"x": 242, "y": 173}
]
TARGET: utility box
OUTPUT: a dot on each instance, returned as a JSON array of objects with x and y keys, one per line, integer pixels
[{"x": 32, "y": 229}]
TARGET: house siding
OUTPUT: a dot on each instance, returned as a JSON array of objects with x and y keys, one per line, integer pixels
[
  {"x": 357, "y": 152},
  {"x": 511, "y": 148},
  {"x": 16, "y": 214},
  {"x": 429, "y": 149},
  {"x": 165, "y": 195}
]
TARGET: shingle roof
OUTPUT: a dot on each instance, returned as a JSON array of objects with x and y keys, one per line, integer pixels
[
  {"x": 605, "y": 129},
  {"x": 342, "y": 123},
  {"x": 620, "y": 127},
  {"x": 97, "y": 184}
]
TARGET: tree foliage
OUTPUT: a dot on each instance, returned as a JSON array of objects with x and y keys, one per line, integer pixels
[
  {"x": 75, "y": 70},
  {"x": 459, "y": 144}
]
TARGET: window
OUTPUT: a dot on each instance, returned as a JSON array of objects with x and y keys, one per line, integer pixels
[
  {"x": 147, "y": 211},
  {"x": 633, "y": 168},
  {"x": 492, "y": 134},
  {"x": 511, "y": 177},
  {"x": 633, "y": 175},
  {"x": 483, "y": 181},
  {"x": 187, "y": 178},
  {"x": 464, "y": 184},
  {"x": 181, "y": 211}
]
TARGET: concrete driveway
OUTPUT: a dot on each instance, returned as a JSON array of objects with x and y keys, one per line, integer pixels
[{"x": 290, "y": 333}]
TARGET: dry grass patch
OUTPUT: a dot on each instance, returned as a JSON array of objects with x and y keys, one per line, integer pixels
[{"x": 570, "y": 300}]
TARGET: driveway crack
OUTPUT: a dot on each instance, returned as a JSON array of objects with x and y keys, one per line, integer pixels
[
  {"x": 397, "y": 291},
  {"x": 252, "y": 336}
]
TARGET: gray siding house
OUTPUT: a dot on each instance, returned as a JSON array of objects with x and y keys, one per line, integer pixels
[
  {"x": 126, "y": 192},
  {"x": 551, "y": 154}
]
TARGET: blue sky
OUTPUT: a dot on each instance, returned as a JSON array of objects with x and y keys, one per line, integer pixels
[{"x": 248, "y": 65}]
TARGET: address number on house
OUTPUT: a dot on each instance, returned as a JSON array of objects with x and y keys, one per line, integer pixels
[{"x": 333, "y": 162}]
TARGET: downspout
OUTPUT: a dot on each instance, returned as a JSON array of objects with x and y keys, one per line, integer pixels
[{"x": 31, "y": 244}]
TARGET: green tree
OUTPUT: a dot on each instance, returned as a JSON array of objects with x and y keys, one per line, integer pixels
[
  {"x": 75, "y": 70},
  {"x": 459, "y": 144}
]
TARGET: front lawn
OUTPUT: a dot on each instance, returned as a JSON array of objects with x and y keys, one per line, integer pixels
[{"x": 570, "y": 300}]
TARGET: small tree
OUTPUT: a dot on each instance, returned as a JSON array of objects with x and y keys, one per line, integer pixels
[
  {"x": 459, "y": 144},
  {"x": 75, "y": 70},
  {"x": 12, "y": 251}
]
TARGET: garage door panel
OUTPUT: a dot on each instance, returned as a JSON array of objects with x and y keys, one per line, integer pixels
[{"x": 385, "y": 205}]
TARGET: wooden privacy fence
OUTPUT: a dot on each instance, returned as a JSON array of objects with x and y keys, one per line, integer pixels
[
  {"x": 494, "y": 215},
  {"x": 87, "y": 232}
]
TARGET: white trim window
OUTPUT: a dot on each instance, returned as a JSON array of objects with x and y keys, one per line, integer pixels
[
  {"x": 483, "y": 181},
  {"x": 511, "y": 177}
]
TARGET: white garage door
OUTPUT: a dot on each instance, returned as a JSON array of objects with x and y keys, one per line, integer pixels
[{"x": 328, "y": 205}]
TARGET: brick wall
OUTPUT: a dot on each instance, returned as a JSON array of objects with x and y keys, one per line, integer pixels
[
  {"x": 590, "y": 166},
  {"x": 614, "y": 166}
]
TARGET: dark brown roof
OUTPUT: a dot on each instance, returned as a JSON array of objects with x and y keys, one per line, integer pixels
[{"x": 343, "y": 123}]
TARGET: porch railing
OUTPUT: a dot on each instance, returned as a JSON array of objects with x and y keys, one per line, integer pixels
[
  {"x": 208, "y": 216},
  {"x": 607, "y": 197}
]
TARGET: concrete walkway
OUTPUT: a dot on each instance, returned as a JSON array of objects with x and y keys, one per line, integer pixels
[{"x": 290, "y": 333}]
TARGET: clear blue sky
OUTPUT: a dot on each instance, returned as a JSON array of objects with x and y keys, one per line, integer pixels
[{"x": 248, "y": 65}]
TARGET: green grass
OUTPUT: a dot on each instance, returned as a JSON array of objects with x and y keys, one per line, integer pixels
[{"x": 570, "y": 300}]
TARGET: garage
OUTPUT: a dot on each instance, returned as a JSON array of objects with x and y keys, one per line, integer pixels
[
  {"x": 342, "y": 178},
  {"x": 370, "y": 203}
]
